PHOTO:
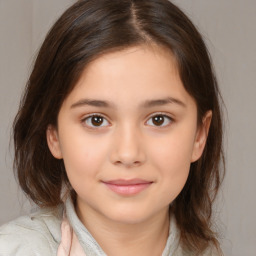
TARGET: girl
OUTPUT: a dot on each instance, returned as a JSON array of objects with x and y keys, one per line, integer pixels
[{"x": 118, "y": 137}]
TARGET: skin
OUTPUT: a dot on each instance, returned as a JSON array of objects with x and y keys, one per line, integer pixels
[{"x": 128, "y": 143}]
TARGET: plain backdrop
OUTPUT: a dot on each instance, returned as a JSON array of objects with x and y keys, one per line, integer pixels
[{"x": 229, "y": 29}]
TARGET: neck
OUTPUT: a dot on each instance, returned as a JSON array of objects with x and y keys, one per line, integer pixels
[{"x": 145, "y": 238}]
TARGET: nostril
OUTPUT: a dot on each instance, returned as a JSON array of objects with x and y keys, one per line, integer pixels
[{"x": 129, "y": 164}]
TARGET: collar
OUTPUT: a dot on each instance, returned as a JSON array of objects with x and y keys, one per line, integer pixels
[{"x": 92, "y": 248}]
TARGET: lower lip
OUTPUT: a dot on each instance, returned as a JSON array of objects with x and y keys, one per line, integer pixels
[{"x": 128, "y": 190}]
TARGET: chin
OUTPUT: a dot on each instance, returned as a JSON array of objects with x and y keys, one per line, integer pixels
[
  {"x": 129, "y": 219},
  {"x": 130, "y": 215}
]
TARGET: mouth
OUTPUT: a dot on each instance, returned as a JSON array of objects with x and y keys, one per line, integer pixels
[{"x": 127, "y": 187}]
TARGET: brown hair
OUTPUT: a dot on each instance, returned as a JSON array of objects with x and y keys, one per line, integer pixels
[{"x": 85, "y": 31}]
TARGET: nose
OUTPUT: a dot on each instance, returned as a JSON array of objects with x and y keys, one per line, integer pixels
[{"x": 127, "y": 147}]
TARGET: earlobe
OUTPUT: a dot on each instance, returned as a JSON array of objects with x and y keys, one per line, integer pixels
[
  {"x": 201, "y": 136},
  {"x": 53, "y": 141}
]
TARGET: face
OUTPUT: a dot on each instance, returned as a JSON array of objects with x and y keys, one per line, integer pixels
[{"x": 127, "y": 134}]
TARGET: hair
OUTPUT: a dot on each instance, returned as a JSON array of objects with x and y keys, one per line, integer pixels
[{"x": 87, "y": 30}]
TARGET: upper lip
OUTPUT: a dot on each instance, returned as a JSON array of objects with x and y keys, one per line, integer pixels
[{"x": 124, "y": 182}]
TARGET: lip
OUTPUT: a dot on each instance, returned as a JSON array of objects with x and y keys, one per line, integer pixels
[{"x": 127, "y": 187}]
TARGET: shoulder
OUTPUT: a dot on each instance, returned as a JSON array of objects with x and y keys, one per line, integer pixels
[
  {"x": 37, "y": 234},
  {"x": 211, "y": 250}
]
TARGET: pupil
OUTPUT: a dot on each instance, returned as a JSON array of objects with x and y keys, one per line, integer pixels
[
  {"x": 158, "y": 120},
  {"x": 97, "y": 120}
]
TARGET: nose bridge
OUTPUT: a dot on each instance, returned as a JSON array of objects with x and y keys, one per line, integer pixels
[{"x": 128, "y": 145}]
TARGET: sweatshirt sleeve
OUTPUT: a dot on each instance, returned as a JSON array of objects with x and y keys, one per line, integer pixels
[
  {"x": 23, "y": 238},
  {"x": 14, "y": 244}
]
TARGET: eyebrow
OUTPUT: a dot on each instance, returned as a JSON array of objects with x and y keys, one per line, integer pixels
[
  {"x": 161, "y": 102},
  {"x": 146, "y": 104},
  {"x": 90, "y": 102}
]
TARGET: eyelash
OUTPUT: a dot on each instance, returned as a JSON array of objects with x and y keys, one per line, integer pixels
[{"x": 89, "y": 117}]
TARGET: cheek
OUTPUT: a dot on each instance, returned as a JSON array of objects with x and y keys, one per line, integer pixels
[
  {"x": 83, "y": 157},
  {"x": 174, "y": 151},
  {"x": 172, "y": 158}
]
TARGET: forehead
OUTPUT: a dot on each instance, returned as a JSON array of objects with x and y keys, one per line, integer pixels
[
  {"x": 150, "y": 55},
  {"x": 135, "y": 73}
]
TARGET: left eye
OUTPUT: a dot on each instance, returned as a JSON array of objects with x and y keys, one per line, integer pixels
[
  {"x": 159, "y": 120},
  {"x": 96, "y": 121}
]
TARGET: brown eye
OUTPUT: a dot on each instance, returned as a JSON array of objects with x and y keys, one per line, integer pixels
[
  {"x": 96, "y": 121},
  {"x": 159, "y": 120}
]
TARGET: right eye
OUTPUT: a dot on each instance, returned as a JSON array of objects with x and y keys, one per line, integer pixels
[
  {"x": 95, "y": 121},
  {"x": 160, "y": 120}
]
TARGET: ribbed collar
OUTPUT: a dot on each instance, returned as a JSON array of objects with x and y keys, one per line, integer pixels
[{"x": 92, "y": 248}]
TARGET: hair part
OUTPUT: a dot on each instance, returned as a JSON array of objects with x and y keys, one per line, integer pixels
[{"x": 87, "y": 30}]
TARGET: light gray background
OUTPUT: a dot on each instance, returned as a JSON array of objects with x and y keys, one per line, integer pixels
[{"x": 229, "y": 28}]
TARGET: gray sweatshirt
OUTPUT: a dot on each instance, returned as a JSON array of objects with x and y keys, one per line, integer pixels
[{"x": 39, "y": 234}]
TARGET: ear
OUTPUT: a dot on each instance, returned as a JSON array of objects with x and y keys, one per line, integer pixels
[
  {"x": 53, "y": 141},
  {"x": 201, "y": 136}
]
